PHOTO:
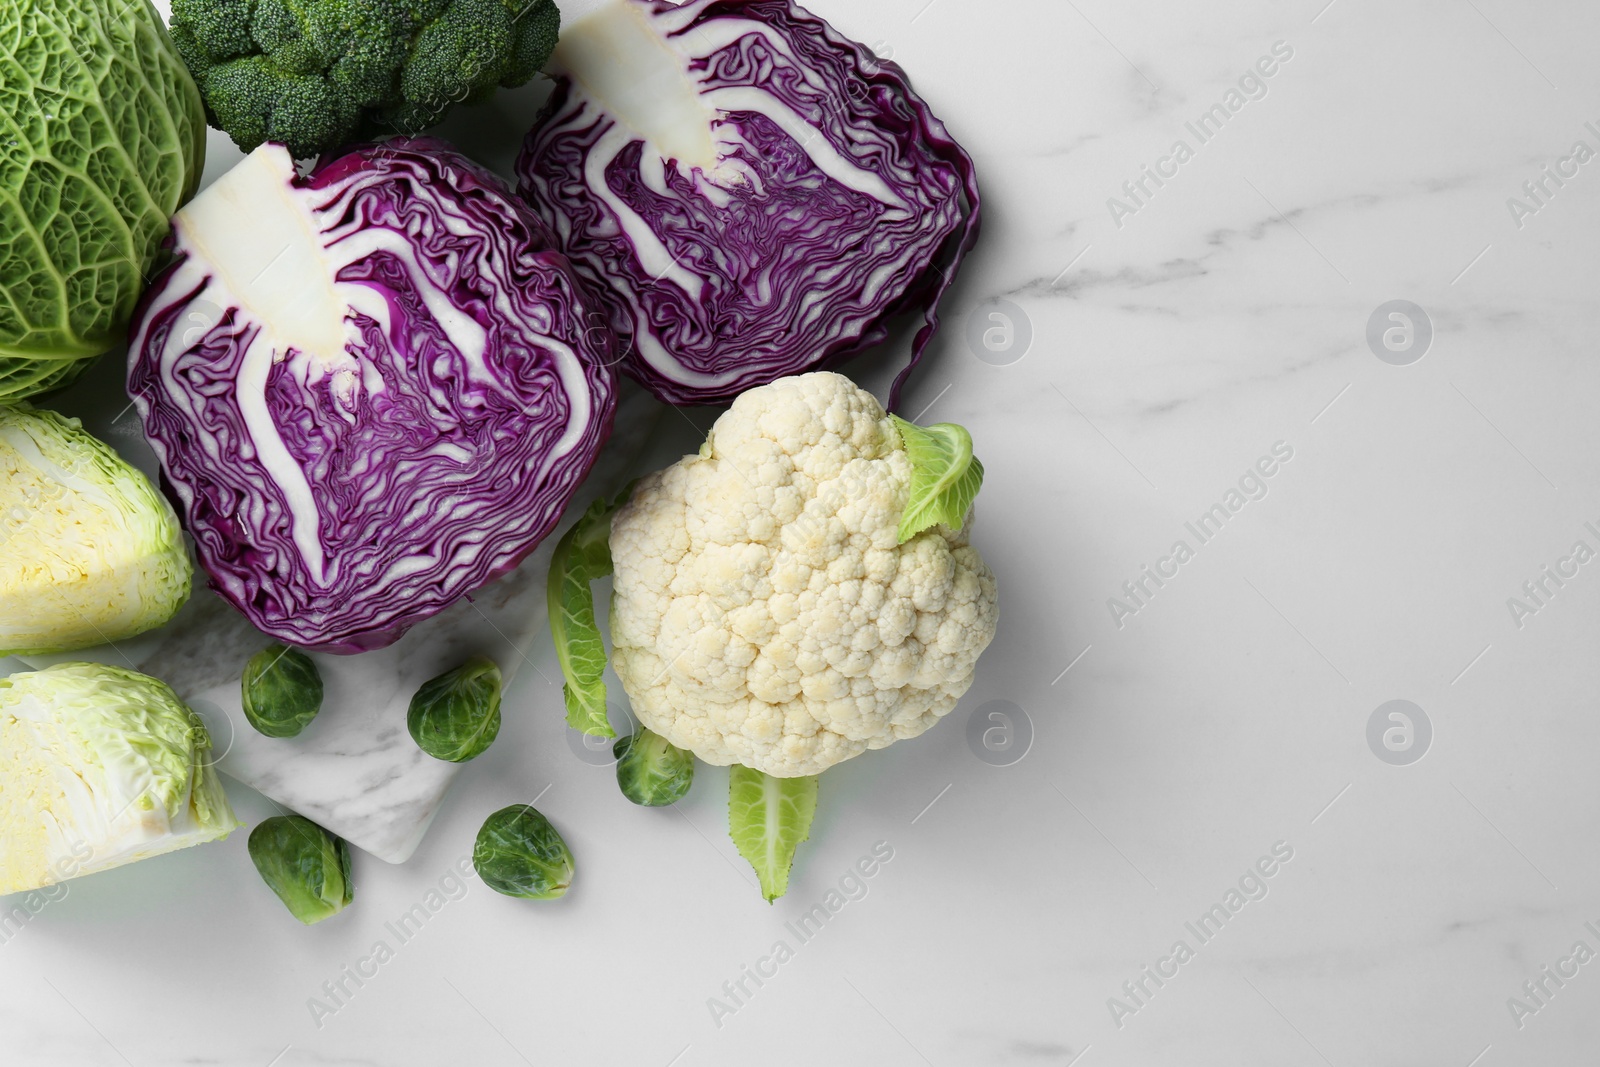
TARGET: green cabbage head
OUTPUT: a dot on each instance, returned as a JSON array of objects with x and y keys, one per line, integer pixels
[
  {"x": 102, "y": 137},
  {"x": 102, "y": 767},
  {"x": 90, "y": 552}
]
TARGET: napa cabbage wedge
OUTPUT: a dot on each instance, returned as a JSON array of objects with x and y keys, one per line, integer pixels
[
  {"x": 102, "y": 137},
  {"x": 90, "y": 552},
  {"x": 102, "y": 766}
]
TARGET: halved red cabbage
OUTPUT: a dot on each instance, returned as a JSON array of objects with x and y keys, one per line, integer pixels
[
  {"x": 751, "y": 193},
  {"x": 371, "y": 389}
]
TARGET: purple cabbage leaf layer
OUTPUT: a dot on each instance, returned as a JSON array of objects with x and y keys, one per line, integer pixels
[
  {"x": 372, "y": 389},
  {"x": 751, "y": 194}
]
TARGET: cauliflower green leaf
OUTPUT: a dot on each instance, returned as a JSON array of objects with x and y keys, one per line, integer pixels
[
  {"x": 945, "y": 476},
  {"x": 582, "y": 556},
  {"x": 768, "y": 818}
]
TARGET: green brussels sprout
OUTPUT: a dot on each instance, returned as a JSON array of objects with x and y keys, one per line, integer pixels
[
  {"x": 456, "y": 716},
  {"x": 307, "y": 867},
  {"x": 520, "y": 854},
  {"x": 282, "y": 691},
  {"x": 651, "y": 771}
]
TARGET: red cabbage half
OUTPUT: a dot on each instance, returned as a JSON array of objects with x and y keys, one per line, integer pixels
[
  {"x": 372, "y": 389},
  {"x": 751, "y": 193}
]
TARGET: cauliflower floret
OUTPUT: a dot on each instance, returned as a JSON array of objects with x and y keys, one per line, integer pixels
[{"x": 763, "y": 611}]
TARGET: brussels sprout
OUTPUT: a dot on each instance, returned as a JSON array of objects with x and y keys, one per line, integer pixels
[
  {"x": 651, "y": 771},
  {"x": 456, "y": 716},
  {"x": 520, "y": 854},
  {"x": 282, "y": 691},
  {"x": 307, "y": 867}
]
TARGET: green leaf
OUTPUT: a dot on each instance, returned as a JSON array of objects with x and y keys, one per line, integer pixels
[
  {"x": 520, "y": 854},
  {"x": 582, "y": 556},
  {"x": 456, "y": 716},
  {"x": 281, "y": 691},
  {"x": 768, "y": 818},
  {"x": 945, "y": 476},
  {"x": 307, "y": 867},
  {"x": 651, "y": 771},
  {"x": 104, "y": 140}
]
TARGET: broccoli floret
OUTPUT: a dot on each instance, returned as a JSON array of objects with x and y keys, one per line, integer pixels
[
  {"x": 309, "y": 115},
  {"x": 220, "y": 30},
  {"x": 460, "y": 52},
  {"x": 239, "y": 95},
  {"x": 194, "y": 56},
  {"x": 537, "y": 28},
  {"x": 314, "y": 73},
  {"x": 256, "y": 101},
  {"x": 274, "y": 25}
]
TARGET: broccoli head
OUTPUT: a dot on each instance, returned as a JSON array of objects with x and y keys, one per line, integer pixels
[{"x": 316, "y": 74}]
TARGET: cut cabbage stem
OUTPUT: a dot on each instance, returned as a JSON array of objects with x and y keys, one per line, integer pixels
[{"x": 637, "y": 74}]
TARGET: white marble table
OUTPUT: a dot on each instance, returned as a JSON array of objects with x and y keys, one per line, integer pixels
[{"x": 1170, "y": 345}]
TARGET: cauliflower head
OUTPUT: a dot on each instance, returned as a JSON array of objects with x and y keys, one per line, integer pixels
[{"x": 764, "y": 611}]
